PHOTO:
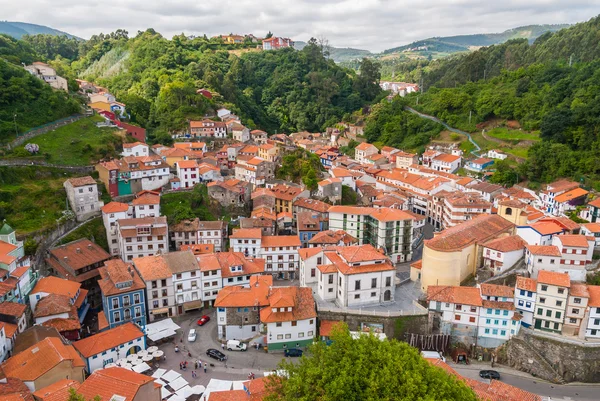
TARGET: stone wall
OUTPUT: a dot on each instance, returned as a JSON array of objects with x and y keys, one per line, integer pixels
[
  {"x": 393, "y": 327},
  {"x": 554, "y": 359}
]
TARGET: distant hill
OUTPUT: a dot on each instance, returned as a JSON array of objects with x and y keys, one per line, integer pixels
[
  {"x": 19, "y": 29},
  {"x": 340, "y": 54},
  {"x": 454, "y": 44}
]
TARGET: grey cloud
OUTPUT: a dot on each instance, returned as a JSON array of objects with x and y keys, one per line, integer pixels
[{"x": 369, "y": 24}]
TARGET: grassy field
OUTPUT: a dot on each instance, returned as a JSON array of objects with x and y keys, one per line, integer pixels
[
  {"x": 31, "y": 198},
  {"x": 92, "y": 230},
  {"x": 79, "y": 144},
  {"x": 506, "y": 134}
]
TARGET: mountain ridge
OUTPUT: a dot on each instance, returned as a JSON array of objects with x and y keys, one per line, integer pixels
[{"x": 19, "y": 29}]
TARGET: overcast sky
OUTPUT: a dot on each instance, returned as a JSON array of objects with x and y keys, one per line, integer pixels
[{"x": 367, "y": 24}]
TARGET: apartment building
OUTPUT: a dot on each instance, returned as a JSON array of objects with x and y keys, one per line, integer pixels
[
  {"x": 498, "y": 322},
  {"x": 392, "y": 230},
  {"x": 460, "y": 207},
  {"x": 525, "y": 299},
  {"x": 146, "y": 204},
  {"x": 141, "y": 237},
  {"x": 551, "y": 302},
  {"x": 281, "y": 255},
  {"x": 111, "y": 212},
  {"x": 193, "y": 232},
  {"x": 160, "y": 292},
  {"x": 246, "y": 241},
  {"x": 208, "y": 128},
  {"x": 186, "y": 275},
  {"x": 577, "y": 305},
  {"x": 456, "y": 308}
]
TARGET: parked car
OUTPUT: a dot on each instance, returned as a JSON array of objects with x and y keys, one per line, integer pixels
[
  {"x": 192, "y": 335},
  {"x": 203, "y": 320},
  {"x": 433, "y": 355},
  {"x": 216, "y": 354},
  {"x": 235, "y": 345},
  {"x": 489, "y": 374},
  {"x": 292, "y": 352}
]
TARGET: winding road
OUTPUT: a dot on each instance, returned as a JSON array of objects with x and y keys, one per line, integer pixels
[{"x": 449, "y": 128}]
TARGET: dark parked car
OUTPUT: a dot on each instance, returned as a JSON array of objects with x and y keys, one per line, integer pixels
[
  {"x": 489, "y": 374},
  {"x": 203, "y": 320},
  {"x": 293, "y": 352},
  {"x": 216, "y": 354}
]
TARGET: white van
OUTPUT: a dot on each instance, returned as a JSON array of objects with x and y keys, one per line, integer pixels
[
  {"x": 235, "y": 345},
  {"x": 433, "y": 355}
]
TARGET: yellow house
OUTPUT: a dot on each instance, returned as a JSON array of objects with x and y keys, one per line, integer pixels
[
  {"x": 453, "y": 255},
  {"x": 268, "y": 152},
  {"x": 175, "y": 155},
  {"x": 102, "y": 105},
  {"x": 233, "y": 39},
  {"x": 514, "y": 211}
]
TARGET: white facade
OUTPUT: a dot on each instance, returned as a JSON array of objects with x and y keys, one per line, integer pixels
[
  {"x": 188, "y": 174},
  {"x": 142, "y": 237},
  {"x": 236, "y": 331},
  {"x": 466, "y": 315},
  {"x": 282, "y": 260},
  {"x": 110, "y": 216},
  {"x": 187, "y": 286},
  {"x": 533, "y": 237},
  {"x": 500, "y": 261},
  {"x": 308, "y": 268},
  {"x": 160, "y": 295},
  {"x": 593, "y": 323},
  {"x": 5, "y": 343},
  {"x": 358, "y": 289},
  {"x": 249, "y": 245},
  {"x": 135, "y": 149},
  {"x": 211, "y": 282},
  {"x": 363, "y": 151},
  {"x": 83, "y": 197},
  {"x": 241, "y": 134},
  {"x": 494, "y": 154},
  {"x": 111, "y": 355},
  {"x": 446, "y": 163},
  {"x": 525, "y": 302},
  {"x": 286, "y": 332},
  {"x": 497, "y": 322}
]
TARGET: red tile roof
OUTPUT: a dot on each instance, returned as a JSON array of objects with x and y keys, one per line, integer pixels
[
  {"x": 115, "y": 207},
  {"x": 58, "y": 391},
  {"x": 546, "y": 228},
  {"x": 579, "y": 290},
  {"x": 15, "y": 390},
  {"x": 55, "y": 285},
  {"x": 594, "y": 291},
  {"x": 299, "y": 298},
  {"x": 254, "y": 295},
  {"x": 454, "y": 295},
  {"x": 527, "y": 284},
  {"x": 152, "y": 268},
  {"x": 554, "y": 278},
  {"x": 497, "y": 290},
  {"x": 116, "y": 271},
  {"x": 12, "y": 309},
  {"x": 116, "y": 381},
  {"x": 271, "y": 241},
  {"x": 575, "y": 241},
  {"x": 326, "y": 326},
  {"x": 506, "y": 244},
  {"x": 570, "y": 195},
  {"x": 79, "y": 254},
  {"x": 81, "y": 181},
  {"x": 246, "y": 233},
  {"x": 52, "y": 304},
  {"x": 108, "y": 339},
  {"x": 543, "y": 250}
]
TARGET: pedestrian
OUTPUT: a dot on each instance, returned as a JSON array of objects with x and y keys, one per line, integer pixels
[
  {"x": 180, "y": 366},
  {"x": 223, "y": 346},
  {"x": 195, "y": 365},
  {"x": 205, "y": 367},
  {"x": 193, "y": 374}
]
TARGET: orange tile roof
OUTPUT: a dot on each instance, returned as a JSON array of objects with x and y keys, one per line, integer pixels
[
  {"x": 543, "y": 250},
  {"x": 9, "y": 329},
  {"x": 257, "y": 389},
  {"x": 527, "y": 284},
  {"x": 133, "y": 144},
  {"x": 561, "y": 186},
  {"x": 570, "y": 195},
  {"x": 81, "y": 181},
  {"x": 299, "y": 298},
  {"x": 146, "y": 198},
  {"x": 61, "y": 325},
  {"x": 270, "y": 241},
  {"x": 554, "y": 278},
  {"x": 595, "y": 203},
  {"x": 115, "y": 207},
  {"x": 198, "y": 249},
  {"x": 55, "y": 285},
  {"x": 417, "y": 265},
  {"x": 38, "y": 359},
  {"x": 506, "y": 244},
  {"x": 52, "y": 304},
  {"x": 360, "y": 253},
  {"x": 447, "y": 158},
  {"x": 575, "y": 241},
  {"x": 497, "y": 290},
  {"x": 579, "y": 290},
  {"x": 225, "y": 260},
  {"x": 152, "y": 268},
  {"x": 14, "y": 389},
  {"x": 498, "y": 305},
  {"x": 326, "y": 326},
  {"x": 333, "y": 238},
  {"x": 592, "y": 227},
  {"x": 117, "y": 271},
  {"x": 480, "y": 229},
  {"x": 187, "y": 164},
  {"x": 594, "y": 291},
  {"x": 110, "y": 381},
  {"x": 246, "y": 233},
  {"x": 57, "y": 391},
  {"x": 546, "y": 228},
  {"x": 12, "y": 309},
  {"x": 454, "y": 294},
  {"x": 108, "y": 339},
  {"x": 346, "y": 269},
  {"x": 254, "y": 295},
  {"x": 306, "y": 253},
  {"x": 79, "y": 254},
  {"x": 366, "y": 146}
]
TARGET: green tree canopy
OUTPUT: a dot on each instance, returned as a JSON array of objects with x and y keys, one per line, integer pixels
[{"x": 364, "y": 369}]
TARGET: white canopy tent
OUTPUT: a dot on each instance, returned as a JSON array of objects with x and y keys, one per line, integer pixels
[{"x": 161, "y": 329}]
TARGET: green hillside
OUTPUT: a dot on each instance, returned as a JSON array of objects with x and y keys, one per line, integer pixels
[
  {"x": 19, "y": 29},
  {"x": 340, "y": 54}
]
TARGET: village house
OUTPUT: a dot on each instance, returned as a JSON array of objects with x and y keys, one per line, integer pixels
[
  {"x": 208, "y": 129},
  {"x": 276, "y": 43},
  {"x": 192, "y": 232},
  {"x": 172, "y": 156},
  {"x": 455, "y": 253},
  {"x": 186, "y": 274},
  {"x": 446, "y": 162},
  {"x": 240, "y": 133},
  {"x": 123, "y": 297},
  {"x": 363, "y": 151},
  {"x": 553, "y": 190},
  {"x": 551, "y": 301},
  {"x": 540, "y": 232},
  {"x": 576, "y": 309},
  {"x": 267, "y": 225},
  {"x": 525, "y": 298},
  {"x": 82, "y": 193},
  {"x": 496, "y": 154},
  {"x": 255, "y": 171},
  {"x": 286, "y": 195},
  {"x": 479, "y": 164},
  {"x": 132, "y": 174},
  {"x": 404, "y": 160},
  {"x": 281, "y": 255},
  {"x": 160, "y": 292},
  {"x": 259, "y": 137},
  {"x": 456, "y": 308},
  {"x": 246, "y": 241},
  {"x": 312, "y": 205},
  {"x": 332, "y": 238},
  {"x": 142, "y": 237},
  {"x": 592, "y": 230},
  {"x": 498, "y": 323},
  {"x": 568, "y": 254},
  {"x": 17, "y": 278},
  {"x": 111, "y": 345},
  {"x": 118, "y": 383},
  {"x": 51, "y": 285},
  {"x": 269, "y": 152},
  {"x": 308, "y": 225},
  {"x": 354, "y": 276},
  {"x": 47, "y": 74},
  {"x": 238, "y": 309},
  {"x": 460, "y": 207},
  {"x": 135, "y": 149},
  {"x": 231, "y": 192},
  {"x": 592, "y": 325},
  {"x": 193, "y": 146},
  {"x": 79, "y": 261},
  {"x": 188, "y": 174},
  {"x": 111, "y": 212},
  {"x": 503, "y": 253},
  {"x": 56, "y": 311},
  {"x": 330, "y": 189},
  {"x": 14, "y": 317},
  {"x": 146, "y": 204},
  {"x": 568, "y": 201},
  {"x": 44, "y": 363},
  {"x": 389, "y": 229},
  {"x": 290, "y": 318}
]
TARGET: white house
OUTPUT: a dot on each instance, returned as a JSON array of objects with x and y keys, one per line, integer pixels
[
  {"x": 577, "y": 306},
  {"x": 551, "y": 301},
  {"x": 142, "y": 237},
  {"x": 281, "y": 255},
  {"x": 354, "y": 276},
  {"x": 446, "y": 163},
  {"x": 135, "y": 149},
  {"x": 525, "y": 297},
  {"x": 457, "y": 308},
  {"x": 593, "y": 316},
  {"x": 496, "y": 154},
  {"x": 186, "y": 280},
  {"x": 223, "y": 113},
  {"x": 111, "y": 345},
  {"x": 82, "y": 193},
  {"x": 310, "y": 258},
  {"x": 111, "y": 212},
  {"x": 346, "y": 176},
  {"x": 592, "y": 230},
  {"x": 238, "y": 309},
  {"x": 47, "y": 74},
  {"x": 146, "y": 204},
  {"x": 247, "y": 241},
  {"x": 363, "y": 151},
  {"x": 501, "y": 254},
  {"x": 539, "y": 233},
  {"x": 498, "y": 322},
  {"x": 576, "y": 251},
  {"x": 160, "y": 292},
  {"x": 542, "y": 257},
  {"x": 290, "y": 318},
  {"x": 240, "y": 133},
  {"x": 188, "y": 173}
]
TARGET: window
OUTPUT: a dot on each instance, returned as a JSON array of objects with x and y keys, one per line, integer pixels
[
  {"x": 549, "y": 313},
  {"x": 178, "y": 276},
  {"x": 356, "y": 296},
  {"x": 495, "y": 331},
  {"x": 505, "y": 313},
  {"x": 489, "y": 311},
  {"x": 294, "y": 324},
  {"x": 522, "y": 292},
  {"x": 544, "y": 288},
  {"x": 558, "y": 303},
  {"x": 472, "y": 319},
  {"x": 388, "y": 281},
  {"x": 488, "y": 321},
  {"x": 136, "y": 298},
  {"x": 558, "y": 314},
  {"x": 577, "y": 300},
  {"x": 556, "y": 326},
  {"x": 561, "y": 290},
  {"x": 456, "y": 317},
  {"x": 373, "y": 283},
  {"x": 357, "y": 285},
  {"x": 115, "y": 303},
  {"x": 542, "y": 300},
  {"x": 487, "y": 331},
  {"x": 313, "y": 272},
  {"x": 288, "y": 336},
  {"x": 280, "y": 336},
  {"x": 278, "y": 324},
  {"x": 540, "y": 311},
  {"x": 572, "y": 320},
  {"x": 154, "y": 294},
  {"x": 521, "y": 303},
  {"x": 503, "y": 332}
]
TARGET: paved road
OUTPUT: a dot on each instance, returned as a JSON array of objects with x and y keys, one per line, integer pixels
[
  {"x": 449, "y": 128},
  {"x": 529, "y": 383}
]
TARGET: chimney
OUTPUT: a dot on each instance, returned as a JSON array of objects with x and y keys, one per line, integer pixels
[
  {"x": 78, "y": 250},
  {"x": 89, "y": 246},
  {"x": 131, "y": 272},
  {"x": 66, "y": 258}
]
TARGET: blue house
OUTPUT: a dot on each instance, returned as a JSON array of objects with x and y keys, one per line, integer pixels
[
  {"x": 478, "y": 165},
  {"x": 309, "y": 225},
  {"x": 122, "y": 291}
]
